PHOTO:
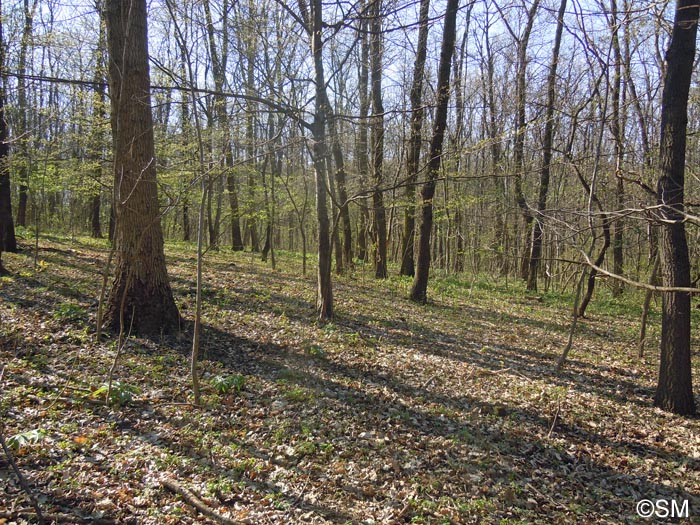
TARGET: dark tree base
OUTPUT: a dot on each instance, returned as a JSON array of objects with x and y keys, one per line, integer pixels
[{"x": 148, "y": 311}]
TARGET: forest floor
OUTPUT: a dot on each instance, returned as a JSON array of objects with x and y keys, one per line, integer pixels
[{"x": 393, "y": 413}]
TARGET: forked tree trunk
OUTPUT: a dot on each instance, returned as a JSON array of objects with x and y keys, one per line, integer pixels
[
  {"x": 519, "y": 142},
  {"x": 674, "y": 391},
  {"x": 140, "y": 297},
  {"x": 420, "y": 281}
]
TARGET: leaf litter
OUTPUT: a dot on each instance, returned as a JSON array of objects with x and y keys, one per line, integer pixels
[{"x": 393, "y": 413}]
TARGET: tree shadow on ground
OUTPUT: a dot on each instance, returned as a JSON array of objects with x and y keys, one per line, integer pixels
[{"x": 364, "y": 398}]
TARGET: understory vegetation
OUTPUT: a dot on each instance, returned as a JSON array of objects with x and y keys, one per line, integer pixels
[{"x": 451, "y": 412}]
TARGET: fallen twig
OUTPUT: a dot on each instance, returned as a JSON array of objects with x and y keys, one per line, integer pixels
[
  {"x": 548, "y": 498},
  {"x": 192, "y": 499},
  {"x": 57, "y": 517},
  {"x": 430, "y": 380},
  {"x": 554, "y": 421}
]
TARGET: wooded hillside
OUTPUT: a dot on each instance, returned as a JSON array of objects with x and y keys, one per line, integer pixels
[
  {"x": 373, "y": 262},
  {"x": 448, "y": 413}
]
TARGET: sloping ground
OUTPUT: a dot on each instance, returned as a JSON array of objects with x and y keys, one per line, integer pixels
[{"x": 394, "y": 413}]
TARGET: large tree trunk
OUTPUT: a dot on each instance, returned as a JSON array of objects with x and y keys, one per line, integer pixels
[
  {"x": 545, "y": 170},
  {"x": 674, "y": 391},
  {"x": 420, "y": 281},
  {"x": 414, "y": 144},
  {"x": 8, "y": 242},
  {"x": 377, "y": 129},
  {"x": 141, "y": 299}
]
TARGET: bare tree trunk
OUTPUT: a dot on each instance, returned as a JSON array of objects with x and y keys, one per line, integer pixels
[
  {"x": 377, "y": 129},
  {"x": 339, "y": 177},
  {"x": 674, "y": 391},
  {"x": 414, "y": 143},
  {"x": 185, "y": 142},
  {"x": 545, "y": 170},
  {"x": 618, "y": 126},
  {"x": 519, "y": 142},
  {"x": 493, "y": 136},
  {"x": 252, "y": 221},
  {"x": 219, "y": 61},
  {"x": 324, "y": 295},
  {"x": 8, "y": 242},
  {"x": 141, "y": 289},
  {"x": 420, "y": 281},
  {"x": 23, "y": 141},
  {"x": 362, "y": 140}
]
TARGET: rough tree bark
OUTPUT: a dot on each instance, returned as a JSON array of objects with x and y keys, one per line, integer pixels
[
  {"x": 674, "y": 391},
  {"x": 140, "y": 296}
]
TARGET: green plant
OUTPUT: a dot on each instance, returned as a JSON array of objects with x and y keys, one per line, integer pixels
[
  {"x": 297, "y": 395},
  {"x": 23, "y": 439},
  {"x": 316, "y": 351},
  {"x": 69, "y": 312},
  {"x": 229, "y": 383},
  {"x": 305, "y": 448},
  {"x": 121, "y": 394}
]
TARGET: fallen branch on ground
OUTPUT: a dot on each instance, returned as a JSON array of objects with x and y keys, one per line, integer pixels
[{"x": 192, "y": 499}]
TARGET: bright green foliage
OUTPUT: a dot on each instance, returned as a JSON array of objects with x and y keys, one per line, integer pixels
[
  {"x": 121, "y": 394},
  {"x": 228, "y": 383}
]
